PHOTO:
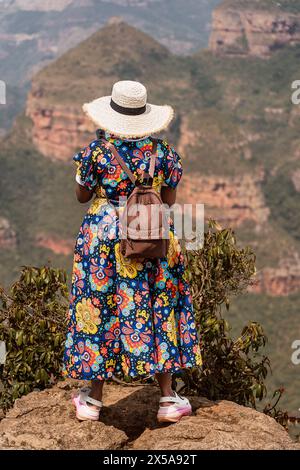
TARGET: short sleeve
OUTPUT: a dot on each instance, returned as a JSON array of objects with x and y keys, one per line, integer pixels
[
  {"x": 172, "y": 167},
  {"x": 86, "y": 174}
]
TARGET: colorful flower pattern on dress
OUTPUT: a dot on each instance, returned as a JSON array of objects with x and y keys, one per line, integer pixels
[{"x": 126, "y": 316}]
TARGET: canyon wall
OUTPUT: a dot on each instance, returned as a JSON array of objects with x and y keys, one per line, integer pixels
[
  {"x": 58, "y": 131},
  {"x": 282, "y": 280},
  {"x": 231, "y": 200},
  {"x": 250, "y": 31}
]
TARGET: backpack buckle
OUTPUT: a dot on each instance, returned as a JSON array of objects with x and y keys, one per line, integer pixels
[{"x": 147, "y": 180}]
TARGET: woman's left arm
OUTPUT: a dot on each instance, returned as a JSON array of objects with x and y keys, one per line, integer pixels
[{"x": 86, "y": 174}]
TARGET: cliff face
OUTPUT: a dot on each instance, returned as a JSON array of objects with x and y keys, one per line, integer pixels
[
  {"x": 250, "y": 31},
  {"x": 35, "y": 32},
  {"x": 282, "y": 280},
  {"x": 57, "y": 130},
  {"x": 231, "y": 201}
]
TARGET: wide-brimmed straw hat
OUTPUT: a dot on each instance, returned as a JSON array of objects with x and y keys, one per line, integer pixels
[{"x": 126, "y": 112}]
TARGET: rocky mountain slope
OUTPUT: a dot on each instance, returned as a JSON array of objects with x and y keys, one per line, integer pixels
[
  {"x": 46, "y": 420},
  {"x": 34, "y": 32},
  {"x": 256, "y": 27}
]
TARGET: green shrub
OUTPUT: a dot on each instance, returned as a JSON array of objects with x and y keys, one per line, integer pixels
[
  {"x": 32, "y": 325},
  {"x": 232, "y": 369}
]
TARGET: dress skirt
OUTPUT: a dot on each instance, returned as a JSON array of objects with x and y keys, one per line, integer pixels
[{"x": 129, "y": 317}]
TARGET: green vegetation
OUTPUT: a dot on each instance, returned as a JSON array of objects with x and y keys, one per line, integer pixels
[
  {"x": 280, "y": 319},
  {"x": 227, "y": 100},
  {"x": 237, "y": 358},
  {"x": 32, "y": 325},
  {"x": 248, "y": 101},
  {"x": 284, "y": 201},
  {"x": 103, "y": 65}
]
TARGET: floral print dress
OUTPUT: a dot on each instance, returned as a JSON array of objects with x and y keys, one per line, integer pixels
[{"x": 128, "y": 317}]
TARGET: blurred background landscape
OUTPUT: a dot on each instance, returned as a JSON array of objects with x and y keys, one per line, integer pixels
[{"x": 226, "y": 66}]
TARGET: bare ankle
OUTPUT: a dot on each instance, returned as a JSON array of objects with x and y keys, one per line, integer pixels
[
  {"x": 167, "y": 393},
  {"x": 96, "y": 390}
]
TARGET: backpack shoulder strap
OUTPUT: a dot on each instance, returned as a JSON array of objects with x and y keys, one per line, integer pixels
[
  {"x": 153, "y": 158},
  {"x": 120, "y": 160},
  {"x": 149, "y": 175}
]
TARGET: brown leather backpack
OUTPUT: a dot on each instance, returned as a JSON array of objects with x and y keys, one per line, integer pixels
[{"x": 144, "y": 228}]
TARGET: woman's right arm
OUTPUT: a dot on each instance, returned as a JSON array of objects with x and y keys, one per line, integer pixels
[{"x": 83, "y": 194}]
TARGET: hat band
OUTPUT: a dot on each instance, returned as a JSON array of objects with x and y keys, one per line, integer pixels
[{"x": 127, "y": 111}]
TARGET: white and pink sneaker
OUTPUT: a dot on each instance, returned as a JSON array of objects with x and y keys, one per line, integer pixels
[
  {"x": 173, "y": 413},
  {"x": 84, "y": 412}
]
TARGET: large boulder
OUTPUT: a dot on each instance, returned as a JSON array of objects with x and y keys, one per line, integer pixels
[
  {"x": 46, "y": 420},
  {"x": 219, "y": 426}
]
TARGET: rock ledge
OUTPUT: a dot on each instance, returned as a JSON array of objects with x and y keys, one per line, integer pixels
[{"x": 46, "y": 420}]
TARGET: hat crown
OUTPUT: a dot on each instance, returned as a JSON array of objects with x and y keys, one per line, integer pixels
[{"x": 129, "y": 94}]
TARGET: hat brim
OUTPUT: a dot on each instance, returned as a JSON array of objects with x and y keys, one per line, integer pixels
[{"x": 155, "y": 119}]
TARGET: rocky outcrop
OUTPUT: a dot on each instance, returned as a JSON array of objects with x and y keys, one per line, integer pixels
[
  {"x": 8, "y": 238},
  {"x": 231, "y": 200},
  {"x": 57, "y": 130},
  {"x": 282, "y": 280},
  {"x": 218, "y": 426},
  {"x": 46, "y": 420},
  {"x": 57, "y": 245},
  {"x": 252, "y": 31}
]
